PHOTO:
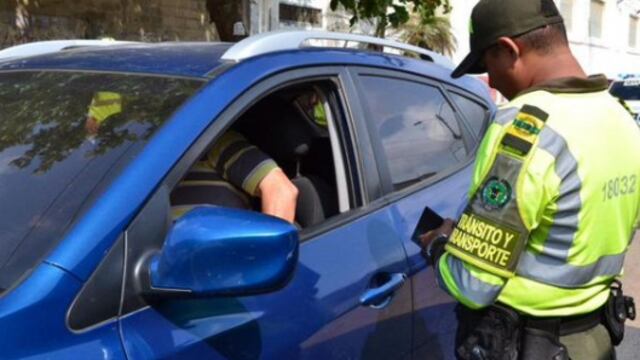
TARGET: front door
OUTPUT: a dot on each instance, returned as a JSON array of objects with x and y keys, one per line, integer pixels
[{"x": 346, "y": 300}]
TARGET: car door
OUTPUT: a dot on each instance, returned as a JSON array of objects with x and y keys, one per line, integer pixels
[
  {"x": 322, "y": 312},
  {"x": 425, "y": 152}
]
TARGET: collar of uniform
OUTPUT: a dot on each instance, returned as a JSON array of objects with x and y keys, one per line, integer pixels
[{"x": 572, "y": 85}]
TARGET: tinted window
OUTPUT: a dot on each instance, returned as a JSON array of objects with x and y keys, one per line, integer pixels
[
  {"x": 417, "y": 127},
  {"x": 60, "y": 133},
  {"x": 475, "y": 113}
]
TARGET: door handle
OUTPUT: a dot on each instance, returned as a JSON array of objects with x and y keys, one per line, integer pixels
[{"x": 380, "y": 297}]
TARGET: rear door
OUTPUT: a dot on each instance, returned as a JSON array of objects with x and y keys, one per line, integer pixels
[
  {"x": 320, "y": 313},
  {"x": 424, "y": 149}
]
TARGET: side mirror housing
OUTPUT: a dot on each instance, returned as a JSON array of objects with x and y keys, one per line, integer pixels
[{"x": 223, "y": 251}]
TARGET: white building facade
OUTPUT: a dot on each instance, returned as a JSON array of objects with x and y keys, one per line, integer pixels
[
  {"x": 267, "y": 15},
  {"x": 604, "y": 34}
]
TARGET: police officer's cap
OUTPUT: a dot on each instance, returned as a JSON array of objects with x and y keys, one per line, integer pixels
[{"x": 492, "y": 19}]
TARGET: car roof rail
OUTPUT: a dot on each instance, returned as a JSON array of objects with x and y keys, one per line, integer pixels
[
  {"x": 289, "y": 40},
  {"x": 51, "y": 46}
]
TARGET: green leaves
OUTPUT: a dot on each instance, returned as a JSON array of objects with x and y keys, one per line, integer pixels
[
  {"x": 399, "y": 16},
  {"x": 391, "y": 12}
]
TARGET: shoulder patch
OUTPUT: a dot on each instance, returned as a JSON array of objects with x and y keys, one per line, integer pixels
[{"x": 524, "y": 129}]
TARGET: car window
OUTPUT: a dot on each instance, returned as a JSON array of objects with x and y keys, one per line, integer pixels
[
  {"x": 626, "y": 90},
  {"x": 60, "y": 134},
  {"x": 475, "y": 113},
  {"x": 417, "y": 127}
]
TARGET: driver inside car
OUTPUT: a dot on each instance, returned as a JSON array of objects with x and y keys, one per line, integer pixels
[{"x": 235, "y": 173}]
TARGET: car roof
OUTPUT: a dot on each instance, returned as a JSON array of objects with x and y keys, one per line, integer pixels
[
  {"x": 190, "y": 59},
  {"x": 202, "y": 59},
  {"x": 49, "y": 46}
]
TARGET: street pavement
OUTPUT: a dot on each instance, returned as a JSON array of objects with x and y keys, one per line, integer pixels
[{"x": 630, "y": 347}]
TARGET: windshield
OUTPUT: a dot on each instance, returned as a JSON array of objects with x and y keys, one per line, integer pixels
[
  {"x": 60, "y": 134},
  {"x": 626, "y": 90}
]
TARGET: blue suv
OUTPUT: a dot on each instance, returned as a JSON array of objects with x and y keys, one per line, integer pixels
[{"x": 93, "y": 266}]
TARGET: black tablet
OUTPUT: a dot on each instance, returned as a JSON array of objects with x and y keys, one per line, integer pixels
[{"x": 429, "y": 220}]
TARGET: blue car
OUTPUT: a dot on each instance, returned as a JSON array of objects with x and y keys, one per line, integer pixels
[{"x": 93, "y": 266}]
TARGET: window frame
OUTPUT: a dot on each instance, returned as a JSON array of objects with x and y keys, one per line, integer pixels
[
  {"x": 357, "y": 153},
  {"x": 487, "y": 112},
  {"x": 633, "y": 20},
  {"x": 601, "y": 19},
  {"x": 566, "y": 9},
  {"x": 470, "y": 141}
]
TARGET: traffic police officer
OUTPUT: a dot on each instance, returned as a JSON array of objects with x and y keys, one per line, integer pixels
[{"x": 554, "y": 199}]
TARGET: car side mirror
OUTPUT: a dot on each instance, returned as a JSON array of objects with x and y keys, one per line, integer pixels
[{"x": 222, "y": 251}]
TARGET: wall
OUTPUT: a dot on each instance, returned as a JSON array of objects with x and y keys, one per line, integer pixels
[
  {"x": 611, "y": 53},
  {"x": 145, "y": 20}
]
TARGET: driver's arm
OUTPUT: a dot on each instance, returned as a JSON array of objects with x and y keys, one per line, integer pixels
[
  {"x": 247, "y": 167},
  {"x": 278, "y": 195}
]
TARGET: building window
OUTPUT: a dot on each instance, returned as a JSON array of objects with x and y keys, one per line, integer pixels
[
  {"x": 300, "y": 15},
  {"x": 595, "y": 19},
  {"x": 566, "y": 9},
  {"x": 633, "y": 31}
]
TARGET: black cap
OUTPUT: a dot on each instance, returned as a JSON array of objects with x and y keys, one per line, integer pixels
[{"x": 493, "y": 19}]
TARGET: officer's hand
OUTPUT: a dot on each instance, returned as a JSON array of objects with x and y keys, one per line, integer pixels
[{"x": 445, "y": 229}]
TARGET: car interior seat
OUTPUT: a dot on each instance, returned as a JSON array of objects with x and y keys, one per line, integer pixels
[{"x": 278, "y": 129}]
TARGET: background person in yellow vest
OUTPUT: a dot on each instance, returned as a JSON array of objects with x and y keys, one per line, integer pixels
[
  {"x": 104, "y": 104},
  {"x": 553, "y": 203},
  {"x": 232, "y": 174}
]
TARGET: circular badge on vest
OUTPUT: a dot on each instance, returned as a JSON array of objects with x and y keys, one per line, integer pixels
[{"x": 496, "y": 193}]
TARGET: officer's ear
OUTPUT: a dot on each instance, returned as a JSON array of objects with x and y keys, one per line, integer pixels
[{"x": 508, "y": 47}]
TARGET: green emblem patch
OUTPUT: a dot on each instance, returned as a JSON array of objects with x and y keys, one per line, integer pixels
[
  {"x": 525, "y": 127},
  {"x": 496, "y": 193}
]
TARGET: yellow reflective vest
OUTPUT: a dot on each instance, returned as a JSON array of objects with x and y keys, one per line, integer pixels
[
  {"x": 553, "y": 203},
  {"x": 105, "y": 104}
]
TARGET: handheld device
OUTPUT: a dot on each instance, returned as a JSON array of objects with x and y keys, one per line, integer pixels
[{"x": 429, "y": 220}]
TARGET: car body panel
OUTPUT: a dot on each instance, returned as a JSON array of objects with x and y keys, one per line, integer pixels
[
  {"x": 145, "y": 172},
  {"x": 318, "y": 314},
  {"x": 167, "y": 59},
  {"x": 630, "y": 95},
  {"x": 52, "y": 46},
  {"x": 34, "y": 326},
  {"x": 434, "y": 320}
]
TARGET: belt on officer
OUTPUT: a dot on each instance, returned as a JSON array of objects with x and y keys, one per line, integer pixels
[{"x": 565, "y": 325}]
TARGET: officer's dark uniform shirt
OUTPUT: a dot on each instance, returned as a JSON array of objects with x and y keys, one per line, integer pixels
[{"x": 227, "y": 176}]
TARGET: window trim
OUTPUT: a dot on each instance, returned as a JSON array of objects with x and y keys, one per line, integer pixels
[
  {"x": 258, "y": 91},
  {"x": 389, "y": 194},
  {"x": 487, "y": 113},
  {"x": 338, "y": 155}
]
